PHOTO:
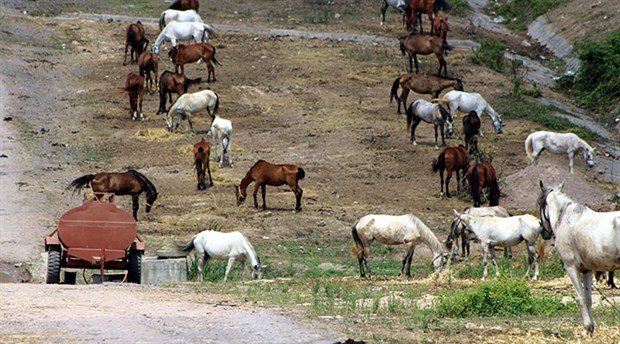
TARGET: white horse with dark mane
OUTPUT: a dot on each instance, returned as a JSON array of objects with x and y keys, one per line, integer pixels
[
  {"x": 171, "y": 15},
  {"x": 405, "y": 230},
  {"x": 221, "y": 133},
  {"x": 174, "y": 31},
  {"x": 190, "y": 103},
  {"x": 585, "y": 240},
  {"x": 466, "y": 102},
  {"x": 232, "y": 246},
  {"x": 458, "y": 229},
  {"x": 558, "y": 143},
  {"x": 399, "y": 5},
  {"x": 421, "y": 110}
]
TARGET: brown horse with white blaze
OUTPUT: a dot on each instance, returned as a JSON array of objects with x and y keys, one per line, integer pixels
[
  {"x": 422, "y": 84},
  {"x": 412, "y": 45},
  {"x": 182, "y": 54},
  {"x": 450, "y": 160},
  {"x": 202, "y": 151},
  {"x": 135, "y": 36}
]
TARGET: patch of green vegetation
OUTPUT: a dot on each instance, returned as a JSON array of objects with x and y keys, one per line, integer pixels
[
  {"x": 520, "y": 13},
  {"x": 320, "y": 16},
  {"x": 490, "y": 54},
  {"x": 548, "y": 269},
  {"x": 458, "y": 8},
  {"x": 100, "y": 152}
]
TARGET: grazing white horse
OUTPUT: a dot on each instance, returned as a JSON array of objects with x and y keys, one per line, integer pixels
[
  {"x": 405, "y": 230},
  {"x": 585, "y": 240},
  {"x": 558, "y": 143},
  {"x": 399, "y": 5},
  {"x": 190, "y": 103},
  {"x": 170, "y": 15},
  {"x": 231, "y": 246},
  {"x": 458, "y": 229},
  {"x": 175, "y": 30},
  {"x": 421, "y": 110},
  {"x": 494, "y": 231},
  {"x": 466, "y": 102},
  {"x": 221, "y": 133}
]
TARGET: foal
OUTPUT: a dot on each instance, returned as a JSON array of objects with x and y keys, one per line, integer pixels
[
  {"x": 413, "y": 44},
  {"x": 421, "y": 110},
  {"x": 134, "y": 85},
  {"x": 202, "y": 150},
  {"x": 182, "y": 54},
  {"x": 480, "y": 176},
  {"x": 451, "y": 159},
  {"x": 170, "y": 82},
  {"x": 135, "y": 36},
  {"x": 148, "y": 63},
  {"x": 471, "y": 127}
]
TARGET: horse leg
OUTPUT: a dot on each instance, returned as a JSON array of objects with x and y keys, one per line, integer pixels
[
  {"x": 135, "y": 206},
  {"x": 431, "y": 20},
  {"x": 360, "y": 258},
  {"x": 384, "y": 7},
  {"x": 409, "y": 261},
  {"x": 191, "y": 127},
  {"x": 403, "y": 99},
  {"x": 485, "y": 251},
  {"x": 465, "y": 242},
  {"x": 298, "y": 193},
  {"x": 582, "y": 282},
  {"x": 508, "y": 252},
  {"x": 532, "y": 257},
  {"x": 256, "y": 186},
  {"x": 448, "y": 177},
  {"x": 229, "y": 266},
  {"x": 415, "y": 59},
  {"x": 209, "y": 170},
  {"x": 442, "y": 65},
  {"x": 367, "y": 260},
  {"x": 571, "y": 155},
  {"x": 263, "y": 189},
  {"x": 413, "y": 128}
]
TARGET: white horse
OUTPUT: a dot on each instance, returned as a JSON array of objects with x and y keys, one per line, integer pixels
[
  {"x": 421, "y": 110},
  {"x": 466, "y": 102},
  {"x": 221, "y": 133},
  {"x": 175, "y": 30},
  {"x": 231, "y": 246},
  {"x": 399, "y": 5},
  {"x": 190, "y": 103},
  {"x": 170, "y": 15},
  {"x": 405, "y": 230},
  {"x": 457, "y": 229},
  {"x": 494, "y": 231},
  {"x": 558, "y": 143},
  {"x": 585, "y": 240}
]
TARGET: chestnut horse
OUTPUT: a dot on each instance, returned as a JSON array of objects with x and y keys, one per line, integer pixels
[
  {"x": 479, "y": 177},
  {"x": 170, "y": 82},
  {"x": 451, "y": 159},
  {"x": 127, "y": 183},
  {"x": 471, "y": 127},
  {"x": 182, "y": 54},
  {"x": 412, "y": 45},
  {"x": 134, "y": 85},
  {"x": 430, "y": 7},
  {"x": 135, "y": 37},
  {"x": 441, "y": 27},
  {"x": 264, "y": 173},
  {"x": 182, "y": 5},
  {"x": 202, "y": 150},
  {"x": 148, "y": 63},
  {"x": 423, "y": 84}
]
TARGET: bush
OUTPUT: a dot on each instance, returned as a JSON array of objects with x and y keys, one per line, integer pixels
[{"x": 490, "y": 54}]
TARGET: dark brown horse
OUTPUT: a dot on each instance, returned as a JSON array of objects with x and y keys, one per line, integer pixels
[
  {"x": 134, "y": 85},
  {"x": 169, "y": 83},
  {"x": 416, "y": 7},
  {"x": 148, "y": 64},
  {"x": 422, "y": 84},
  {"x": 135, "y": 36},
  {"x": 183, "y": 5},
  {"x": 471, "y": 127},
  {"x": 202, "y": 150},
  {"x": 263, "y": 174},
  {"x": 182, "y": 54},
  {"x": 127, "y": 183},
  {"x": 412, "y": 45},
  {"x": 441, "y": 27},
  {"x": 479, "y": 177},
  {"x": 450, "y": 160}
]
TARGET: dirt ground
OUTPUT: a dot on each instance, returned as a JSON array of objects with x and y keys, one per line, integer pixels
[{"x": 322, "y": 104}]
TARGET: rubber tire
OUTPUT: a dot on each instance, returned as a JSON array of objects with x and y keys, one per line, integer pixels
[
  {"x": 53, "y": 265},
  {"x": 134, "y": 267}
]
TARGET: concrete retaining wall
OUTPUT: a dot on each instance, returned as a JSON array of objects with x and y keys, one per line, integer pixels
[{"x": 161, "y": 271}]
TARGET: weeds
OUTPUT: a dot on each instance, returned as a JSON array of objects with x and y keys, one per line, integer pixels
[
  {"x": 458, "y": 8},
  {"x": 520, "y": 13},
  {"x": 321, "y": 16},
  {"x": 491, "y": 55}
]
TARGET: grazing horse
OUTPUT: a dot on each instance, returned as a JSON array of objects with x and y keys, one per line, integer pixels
[
  {"x": 221, "y": 133},
  {"x": 412, "y": 45},
  {"x": 585, "y": 240},
  {"x": 263, "y": 174},
  {"x": 202, "y": 149},
  {"x": 558, "y": 143},
  {"x": 135, "y": 37},
  {"x": 430, "y": 7},
  {"x": 471, "y": 128},
  {"x": 174, "y": 31},
  {"x": 450, "y": 160},
  {"x": 170, "y": 82},
  {"x": 184, "y": 5},
  {"x": 190, "y": 103},
  {"x": 399, "y": 5},
  {"x": 127, "y": 183},
  {"x": 231, "y": 246},
  {"x": 441, "y": 27},
  {"x": 406, "y": 230},
  {"x": 494, "y": 231},
  {"x": 134, "y": 86},
  {"x": 148, "y": 63},
  {"x": 422, "y": 84},
  {"x": 421, "y": 110},
  {"x": 458, "y": 229},
  {"x": 182, "y": 54},
  {"x": 171, "y": 15},
  {"x": 466, "y": 102},
  {"x": 479, "y": 177}
]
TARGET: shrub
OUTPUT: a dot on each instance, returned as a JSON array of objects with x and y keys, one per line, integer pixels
[{"x": 490, "y": 54}]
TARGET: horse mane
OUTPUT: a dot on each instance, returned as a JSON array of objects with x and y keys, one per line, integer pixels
[
  {"x": 150, "y": 188},
  {"x": 428, "y": 237},
  {"x": 444, "y": 113}
]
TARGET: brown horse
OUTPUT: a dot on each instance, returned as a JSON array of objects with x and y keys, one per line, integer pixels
[
  {"x": 416, "y": 7},
  {"x": 134, "y": 85},
  {"x": 479, "y": 177},
  {"x": 182, "y": 54},
  {"x": 127, "y": 183},
  {"x": 202, "y": 150},
  {"x": 263, "y": 174},
  {"x": 170, "y": 82},
  {"x": 441, "y": 27},
  {"x": 451, "y": 159},
  {"x": 183, "y": 5},
  {"x": 412, "y": 45},
  {"x": 148, "y": 63},
  {"x": 471, "y": 127},
  {"x": 135, "y": 36},
  {"x": 423, "y": 84}
]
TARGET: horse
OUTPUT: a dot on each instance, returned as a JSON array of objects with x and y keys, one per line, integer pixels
[
  {"x": 173, "y": 82},
  {"x": 264, "y": 173},
  {"x": 131, "y": 183},
  {"x": 134, "y": 86},
  {"x": 494, "y": 231},
  {"x": 430, "y": 7},
  {"x": 440, "y": 24},
  {"x": 190, "y": 103},
  {"x": 135, "y": 37},
  {"x": 174, "y": 31},
  {"x": 182, "y": 54},
  {"x": 221, "y": 134},
  {"x": 412, "y": 44},
  {"x": 399, "y": 5},
  {"x": 585, "y": 240},
  {"x": 451, "y": 159},
  {"x": 558, "y": 143},
  {"x": 171, "y": 15},
  {"x": 466, "y": 102},
  {"x": 202, "y": 149},
  {"x": 480, "y": 176},
  {"x": 184, "y": 5},
  {"x": 422, "y": 84},
  {"x": 421, "y": 110},
  {"x": 232, "y": 245},
  {"x": 471, "y": 127},
  {"x": 148, "y": 63},
  {"x": 406, "y": 230}
]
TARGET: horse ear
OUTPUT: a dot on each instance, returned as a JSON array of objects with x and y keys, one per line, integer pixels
[
  {"x": 542, "y": 187},
  {"x": 456, "y": 213}
]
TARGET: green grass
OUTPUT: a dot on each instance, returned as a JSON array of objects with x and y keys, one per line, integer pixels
[
  {"x": 458, "y": 8},
  {"x": 490, "y": 54},
  {"x": 520, "y": 13}
]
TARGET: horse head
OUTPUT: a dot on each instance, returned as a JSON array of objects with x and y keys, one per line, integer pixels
[
  {"x": 459, "y": 85},
  {"x": 497, "y": 124},
  {"x": 257, "y": 270},
  {"x": 440, "y": 260},
  {"x": 241, "y": 195},
  {"x": 150, "y": 200},
  {"x": 543, "y": 208}
]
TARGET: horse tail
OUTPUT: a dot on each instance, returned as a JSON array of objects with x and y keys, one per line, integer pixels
[
  {"x": 208, "y": 29},
  {"x": 402, "y": 48},
  {"x": 162, "y": 20},
  {"x": 529, "y": 150},
  {"x": 475, "y": 183},
  {"x": 356, "y": 237},
  {"x": 189, "y": 246},
  {"x": 81, "y": 182},
  {"x": 394, "y": 92},
  {"x": 300, "y": 173},
  {"x": 410, "y": 111},
  {"x": 214, "y": 59},
  {"x": 217, "y": 104},
  {"x": 439, "y": 163}
]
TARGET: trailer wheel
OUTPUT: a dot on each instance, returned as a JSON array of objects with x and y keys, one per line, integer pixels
[
  {"x": 134, "y": 268},
  {"x": 53, "y": 265}
]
